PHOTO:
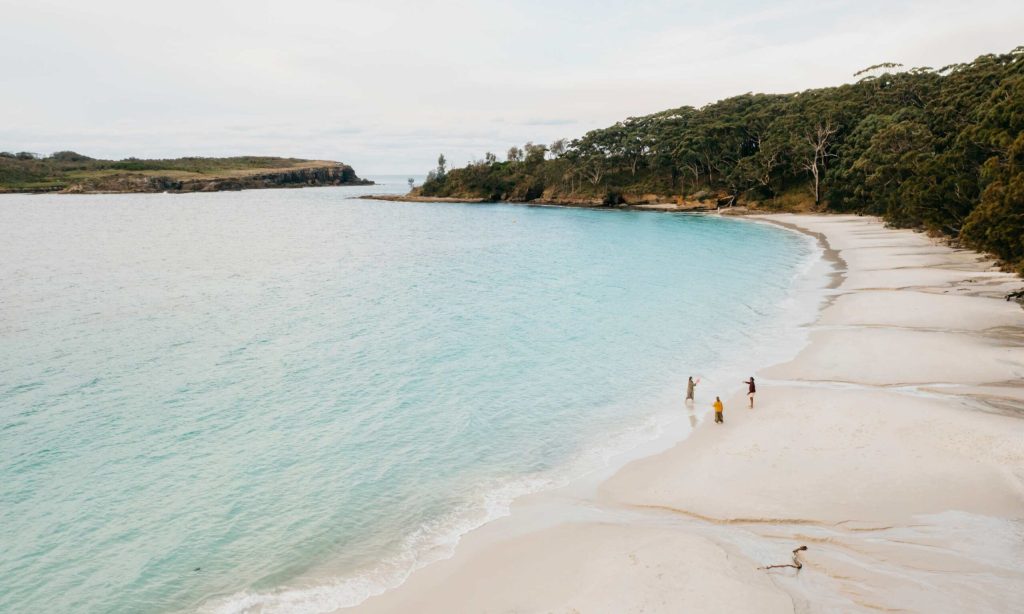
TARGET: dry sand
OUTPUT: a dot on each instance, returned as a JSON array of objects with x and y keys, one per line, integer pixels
[{"x": 892, "y": 447}]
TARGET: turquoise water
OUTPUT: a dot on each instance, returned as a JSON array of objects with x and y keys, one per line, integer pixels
[{"x": 287, "y": 399}]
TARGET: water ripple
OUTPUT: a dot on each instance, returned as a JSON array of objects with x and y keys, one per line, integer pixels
[{"x": 289, "y": 389}]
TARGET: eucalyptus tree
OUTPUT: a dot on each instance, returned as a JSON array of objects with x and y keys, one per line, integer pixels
[
  {"x": 557, "y": 147},
  {"x": 534, "y": 154},
  {"x": 936, "y": 149},
  {"x": 997, "y": 224}
]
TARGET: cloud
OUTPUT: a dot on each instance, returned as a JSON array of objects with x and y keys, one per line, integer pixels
[{"x": 386, "y": 86}]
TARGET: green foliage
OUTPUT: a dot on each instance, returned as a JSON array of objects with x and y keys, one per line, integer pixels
[
  {"x": 25, "y": 171},
  {"x": 198, "y": 165},
  {"x": 940, "y": 150},
  {"x": 69, "y": 156},
  {"x": 997, "y": 223}
]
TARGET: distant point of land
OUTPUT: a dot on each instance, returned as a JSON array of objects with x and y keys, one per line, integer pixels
[{"x": 71, "y": 172}]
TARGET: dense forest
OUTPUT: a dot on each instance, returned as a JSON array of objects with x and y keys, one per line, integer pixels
[{"x": 941, "y": 150}]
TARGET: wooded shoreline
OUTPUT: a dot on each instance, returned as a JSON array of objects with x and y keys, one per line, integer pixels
[
  {"x": 938, "y": 150},
  {"x": 653, "y": 205}
]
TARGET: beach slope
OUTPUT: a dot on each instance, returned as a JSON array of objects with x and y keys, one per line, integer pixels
[{"x": 892, "y": 446}]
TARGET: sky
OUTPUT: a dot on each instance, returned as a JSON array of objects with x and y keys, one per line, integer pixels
[{"x": 387, "y": 85}]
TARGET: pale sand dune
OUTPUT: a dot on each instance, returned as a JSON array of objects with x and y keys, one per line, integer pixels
[{"x": 892, "y": 446}]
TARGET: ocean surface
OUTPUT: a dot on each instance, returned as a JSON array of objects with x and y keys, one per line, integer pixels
[{"x": 285, "y": 400}]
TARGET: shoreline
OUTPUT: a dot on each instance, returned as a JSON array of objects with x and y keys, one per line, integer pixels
[
  {"x": 522, "y": 510},
  {"x": 573, "y": 204},
  {"x": 564, "y": 554},
  {"x": 83, "y": 192},
  {"x": 312, "y": 173}
]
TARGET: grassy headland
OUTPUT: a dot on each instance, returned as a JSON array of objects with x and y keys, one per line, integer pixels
[
  {"x": 937, "y": 149},
  {"x": 67, "y": 171}
]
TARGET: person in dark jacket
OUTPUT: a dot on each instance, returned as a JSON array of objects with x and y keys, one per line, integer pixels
[{"x": 751, "y": 390}]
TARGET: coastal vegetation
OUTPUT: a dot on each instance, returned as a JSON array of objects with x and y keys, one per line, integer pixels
[
  {"x": 73, "y": 172},
  {"x": 941, "y": 150}
]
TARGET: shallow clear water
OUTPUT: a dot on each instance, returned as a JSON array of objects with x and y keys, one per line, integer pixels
[{"x": 207, "y": 398}]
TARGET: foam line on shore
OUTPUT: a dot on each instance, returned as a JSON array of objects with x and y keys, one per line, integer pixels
[
  {"x": 930, "y": 476},
  {"x": 326, "y": 591}
]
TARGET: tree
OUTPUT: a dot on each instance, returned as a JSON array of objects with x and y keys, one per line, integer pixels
[
  {"x": 441, "y": 164},
  {"x": 759, "y": 169},
  {"x": 814, "y": 157},
  {"x": 931, "y": 149},
  {"x": 557, "y": 148},
  {"x": 896, "y": 152},
  {"x": 534, "y": 154},
  {"x": 490, "y": 158},
  {"x": 69, "y": 156},
  {"x": 635, "y": 142},
  {"x": 997, "y": 224}
]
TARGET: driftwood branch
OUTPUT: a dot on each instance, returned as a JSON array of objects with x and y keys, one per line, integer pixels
[{"x": 796, "y": 564}]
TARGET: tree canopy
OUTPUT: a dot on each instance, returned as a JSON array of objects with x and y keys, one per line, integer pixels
[{"x": 939, "y": 150}]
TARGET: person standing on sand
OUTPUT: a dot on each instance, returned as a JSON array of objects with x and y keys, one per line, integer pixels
[
  {"x": 751, "y": 390},
  {"x": 690, "y": 385},
  {"x": 719, "y": 410}
]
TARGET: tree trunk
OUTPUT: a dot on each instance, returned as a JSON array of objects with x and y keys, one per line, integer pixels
[
  {"x": 817, "y": 193},
  {"x": 819, "y": 140}
]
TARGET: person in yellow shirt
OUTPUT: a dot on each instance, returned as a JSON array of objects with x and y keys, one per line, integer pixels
[{"x": 719, "y": 410}]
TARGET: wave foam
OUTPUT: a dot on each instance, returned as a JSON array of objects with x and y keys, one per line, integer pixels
[{"x": 438, "y": 539}]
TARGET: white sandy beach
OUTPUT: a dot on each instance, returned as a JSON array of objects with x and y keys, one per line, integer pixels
[{"x": 892, "y": 447}]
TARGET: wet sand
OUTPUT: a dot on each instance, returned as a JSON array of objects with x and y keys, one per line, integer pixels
[{"x": 892, "y": 446}]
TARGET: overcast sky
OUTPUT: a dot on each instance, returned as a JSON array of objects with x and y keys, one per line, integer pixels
[{"x": 386, "y": 85}]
